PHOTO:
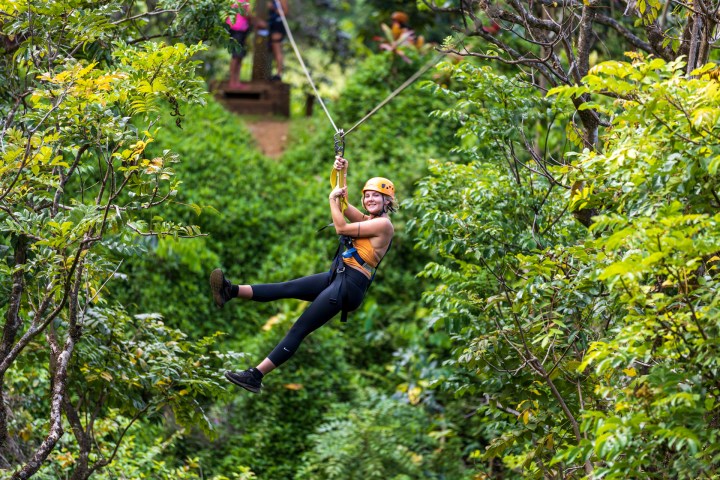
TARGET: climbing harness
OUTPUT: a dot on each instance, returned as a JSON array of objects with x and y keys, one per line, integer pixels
[
  {"x": 351, "y": 252},
  {"x": 346, "y": 249}
]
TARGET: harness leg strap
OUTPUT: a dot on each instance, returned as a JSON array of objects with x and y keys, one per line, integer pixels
[{"x": 337, "y": 294}]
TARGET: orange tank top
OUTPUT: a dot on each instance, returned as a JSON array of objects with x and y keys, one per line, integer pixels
[{"x": 367, "y": 253}]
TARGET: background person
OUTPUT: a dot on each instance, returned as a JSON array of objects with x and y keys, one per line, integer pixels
[{"x": 239, "y": 25}]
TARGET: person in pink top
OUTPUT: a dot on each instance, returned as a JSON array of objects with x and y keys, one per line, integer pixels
[{"x": 239, "y": 25}]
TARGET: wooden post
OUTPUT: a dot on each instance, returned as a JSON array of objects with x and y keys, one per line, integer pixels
[
  {"x": 309, "y": 102},
  {"x": 261, "y": 51}
]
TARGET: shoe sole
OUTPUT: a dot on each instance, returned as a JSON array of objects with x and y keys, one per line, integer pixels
[
  {"x": 249, "y": 388},
  {"x": 216, "y": 285}
]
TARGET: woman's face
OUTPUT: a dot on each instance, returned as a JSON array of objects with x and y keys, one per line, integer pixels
[{"x": 373, "y": 202}]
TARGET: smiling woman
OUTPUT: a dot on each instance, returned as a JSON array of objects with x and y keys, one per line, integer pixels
[{"x": 366, "y": 238}]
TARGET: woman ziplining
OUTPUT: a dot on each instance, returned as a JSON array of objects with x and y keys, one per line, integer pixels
[{"x": 365, "y": 239}]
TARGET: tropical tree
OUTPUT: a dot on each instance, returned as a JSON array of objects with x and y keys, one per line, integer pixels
[
  {"x": 585, "y": 350},
  {"x": 82, "y": 86},
  {"x": 556, "y": 42}
]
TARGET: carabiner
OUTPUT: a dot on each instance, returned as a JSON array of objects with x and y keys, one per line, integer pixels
[{"x": 339, "y": 140}]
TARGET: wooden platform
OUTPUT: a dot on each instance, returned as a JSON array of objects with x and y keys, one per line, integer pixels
[{"x": 257, "y": 98}]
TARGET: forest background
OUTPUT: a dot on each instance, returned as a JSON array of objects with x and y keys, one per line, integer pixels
[{"x": 549, "y": 308}]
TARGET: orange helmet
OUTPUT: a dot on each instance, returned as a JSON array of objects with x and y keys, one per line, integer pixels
[
  {"x": 400, "y": 17},
  {"x": 380, "y": 184}
]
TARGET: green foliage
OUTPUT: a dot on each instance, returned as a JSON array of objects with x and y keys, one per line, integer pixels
[
  {"x": 130, "y": 368},
  {"x": 271, "y": 435},
  {"x": 141, "y": 365},
  {"x": 83, "y": 89},
  {"x": 143, "y": 454},
  {"x": 227, "y": 196},
  {"x": 373, "y": 13},
  {"x": 404, "y": 117},
  {"x": 658, "y": 235},
  {"x": 520, "y": 309},
  {"x": 594, "y": 351},
  {"x": 261, "y": 217},
  {"x": 380, "y": 438}
]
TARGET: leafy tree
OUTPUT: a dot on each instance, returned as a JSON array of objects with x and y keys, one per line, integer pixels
[
  {"x": 381, "y": 438},
  {"x": 556, "y": 43},
  {"x": 656, "y": 253},
  {"x": 588, "y": 352},
  {"x": 486, "y": 218},
  {"x": 82, "y": 88}
]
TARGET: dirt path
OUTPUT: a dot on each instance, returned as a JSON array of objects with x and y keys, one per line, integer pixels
[{"x": 270, "y": 135}]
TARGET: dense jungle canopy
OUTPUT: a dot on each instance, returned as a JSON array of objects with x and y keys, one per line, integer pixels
[{"x": 549, "y": 308}]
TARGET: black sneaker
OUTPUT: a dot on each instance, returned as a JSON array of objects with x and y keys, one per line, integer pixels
[
  {"x": 247, "y": 379},
  {"x": 221, "y": 288}
]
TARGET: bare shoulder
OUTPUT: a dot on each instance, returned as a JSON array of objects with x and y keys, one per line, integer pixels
[
  {"x": 387, "y": 225},
  {"x": 383, "y": 222},
  {"x": 375, "y": 227}
]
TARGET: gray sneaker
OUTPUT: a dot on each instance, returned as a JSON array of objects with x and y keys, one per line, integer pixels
[
  {"x": 249, "y": 379},
  {"x": 221, "y": 288}
]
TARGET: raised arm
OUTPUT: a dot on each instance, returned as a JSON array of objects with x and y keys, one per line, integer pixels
[
  {"x": 354, "y": 215},
  {"x": 375, "y": 227},
  {"x": 351, "y": 213}
]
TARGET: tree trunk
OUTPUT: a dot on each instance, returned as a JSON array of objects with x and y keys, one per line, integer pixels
[
  {"x": 261, "y": 51},
  {"x": 695, "y": 39},
  {"x": 60, "y": 362},
  {"x": 12, "y": 324},
  {"x": 82, "y": 465},
  {"x": 309, "y": 103},
  {"x": 56, "y": 428}
]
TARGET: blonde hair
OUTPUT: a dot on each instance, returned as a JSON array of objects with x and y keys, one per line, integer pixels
[{"x": 392, "y": 205}]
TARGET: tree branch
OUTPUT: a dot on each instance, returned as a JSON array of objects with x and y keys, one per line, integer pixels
[
  {"x": 64, "y": 178},
  {"x": 632, "y": 39},
  {"x": 146, "y": 14},
  {"x": 12, "y": 325}
]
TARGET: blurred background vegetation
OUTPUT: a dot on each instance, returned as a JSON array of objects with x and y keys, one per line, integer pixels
[{"x": 549, "y": 308}]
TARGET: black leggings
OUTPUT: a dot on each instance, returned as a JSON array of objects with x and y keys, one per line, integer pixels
[{"x": 329, "y": 295}]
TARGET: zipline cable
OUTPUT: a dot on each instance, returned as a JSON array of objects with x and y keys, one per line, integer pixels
[
  {"x": 302, "y": 64},
  {"x": 396, "y": 92},
  {"x": 338, "y": 177}
]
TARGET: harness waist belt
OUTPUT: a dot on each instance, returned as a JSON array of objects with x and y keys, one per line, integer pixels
[{"x": 353, "y": 253}]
